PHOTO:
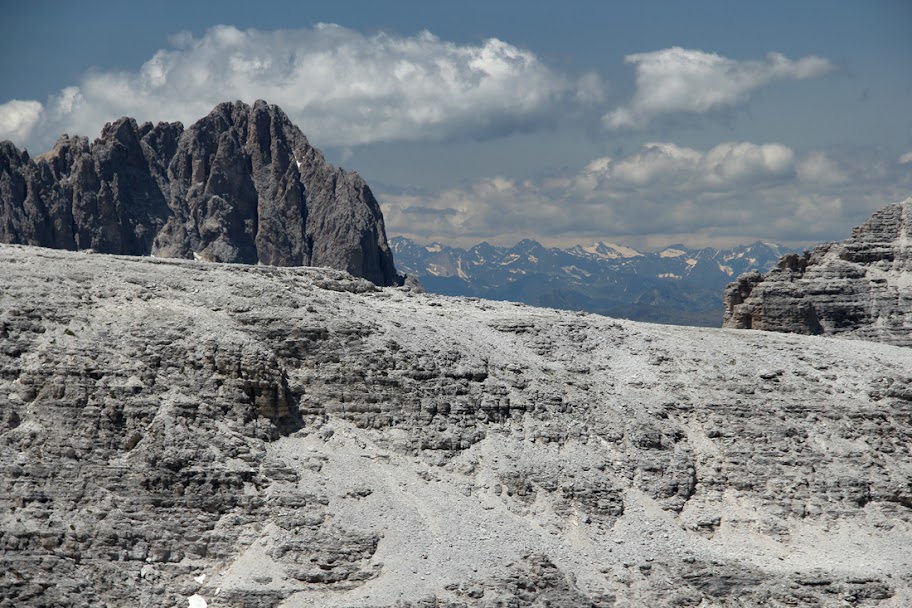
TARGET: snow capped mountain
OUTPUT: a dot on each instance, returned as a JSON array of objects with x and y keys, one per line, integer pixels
[
  {"x": 676, "y": 285},
  {"x": 609, "y": 251}
]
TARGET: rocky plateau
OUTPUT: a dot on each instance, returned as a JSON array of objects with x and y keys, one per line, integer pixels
[{"x": 181, "y": 433}]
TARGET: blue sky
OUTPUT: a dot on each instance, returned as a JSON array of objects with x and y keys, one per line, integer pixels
[{"x": 645, "y": 123}]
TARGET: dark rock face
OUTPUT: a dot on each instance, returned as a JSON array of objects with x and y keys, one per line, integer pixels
[
  {"x": 860, "y": 288},
  {"x": 240, "y": 185}
]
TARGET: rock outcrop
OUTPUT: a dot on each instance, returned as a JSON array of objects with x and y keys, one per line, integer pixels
[
  {"x": 240, "y": 185},
  {"x": 175, "y": 431},
  {"x": 859, "y": 288}
]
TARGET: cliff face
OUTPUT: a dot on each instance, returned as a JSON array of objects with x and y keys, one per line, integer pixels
[
  {"x": 261, "y": 436},
  {"x": 860, "y": 288},
  {"x": 240, "y": 185}
]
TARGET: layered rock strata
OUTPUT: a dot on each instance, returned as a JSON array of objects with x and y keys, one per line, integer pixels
[
  {"x": 261, "y": 436},
  {"x": 240, "y": 185},
  {"x": 859, "y": 288}
]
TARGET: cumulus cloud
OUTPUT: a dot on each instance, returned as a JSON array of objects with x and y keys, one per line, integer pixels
[
  {"x": 724, "y": 166},
  {"x": 18, "y": 118},
  {"x": 905, "y": 159},
  {"x": 677, "y": 80},
  {"x": 818, "y": 168},
  {"x": 658, "y": 194},
  {"x": 342, "y": 87}
]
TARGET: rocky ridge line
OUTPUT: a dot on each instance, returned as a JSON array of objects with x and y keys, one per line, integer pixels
[
  {"x": 859, "y": 288},
  {"x": 241, "y": 185}
]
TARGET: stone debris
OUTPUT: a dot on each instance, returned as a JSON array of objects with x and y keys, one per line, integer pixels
[{"x": 263, "y": 436}]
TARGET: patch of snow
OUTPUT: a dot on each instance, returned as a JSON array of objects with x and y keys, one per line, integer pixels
[
  {"x": 433, "y": 248},
  {"x": 611, "y": 251},
  {"x": 691, "y": 262},
  {"x": 623, "y": 251},
  {"x": 726, "y": 269},
  {"x": 459, "y": 271},
  {"x": 575, "y": 271},
  {"x": 509, "y": 259},
  {"x": 672, "y": 253},
  {"x": 668, "y": 275},
  {"x": 197, "y": 601},
  {"x": 437, "y": 270}
]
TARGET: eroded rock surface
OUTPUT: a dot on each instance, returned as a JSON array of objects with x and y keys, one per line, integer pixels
[
  {"x": 290, "y": 437},
  {"x": 860, "y": 288},
  {"x": 240, "y": 185}
]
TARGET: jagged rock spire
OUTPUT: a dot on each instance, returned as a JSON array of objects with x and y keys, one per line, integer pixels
[{"x": 240, "y": 185}]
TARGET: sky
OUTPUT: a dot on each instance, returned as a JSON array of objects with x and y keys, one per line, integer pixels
[{"x": 647, "y": 123}]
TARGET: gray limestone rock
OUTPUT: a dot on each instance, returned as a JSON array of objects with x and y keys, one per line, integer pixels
[
  {"x": 298, "y": 437},
  {"x": 240, "y": 185},
  {"x": 859, "y": 288}
]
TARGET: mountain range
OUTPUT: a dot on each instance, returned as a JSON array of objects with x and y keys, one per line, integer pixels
[
  {"x": 677, "y": 285},
  {"x": 179, "y": 432}
]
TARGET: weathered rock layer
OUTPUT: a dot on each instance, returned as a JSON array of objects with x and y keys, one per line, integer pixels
[
  {"x": 292, "y": 437},
  {"x": 240, "y": 185},
  {"x": 860, "y": 288}
]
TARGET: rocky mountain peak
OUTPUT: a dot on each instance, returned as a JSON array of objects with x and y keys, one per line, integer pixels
[
  {"x": 241, "y": 185},
  {"x": 857, "y": 288}
]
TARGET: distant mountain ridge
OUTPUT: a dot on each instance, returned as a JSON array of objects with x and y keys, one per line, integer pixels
[
  {"x": 240, "y": 185},
  {"x": 677, "y": 285}
]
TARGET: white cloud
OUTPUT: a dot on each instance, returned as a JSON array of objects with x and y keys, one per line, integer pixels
[
  {"x": 725, "y": 166},
  {"x": 661, "y": 193},
  {"x": 18, "y": 118},
  {"x": 817, "y": 168},
  {"x": 905, "y": 159},
  {"x": 343, "y": 88},
  {"x": 678, "y": 80},
  {"x": 738, "y": 163}
]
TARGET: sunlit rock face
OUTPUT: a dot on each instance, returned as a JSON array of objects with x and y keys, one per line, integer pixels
[
  {"x": 859, "y": 288},
  {"x": 177, "y": 433},
  {"x": 241, "y": 185}
]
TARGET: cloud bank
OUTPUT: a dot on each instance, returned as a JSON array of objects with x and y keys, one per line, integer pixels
[
  {"x": 343, "y": 88},
  {"x": 18, "y": 118},
  {"x": 661, "y": 193},
  {"x": 676, "y": 80}
]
